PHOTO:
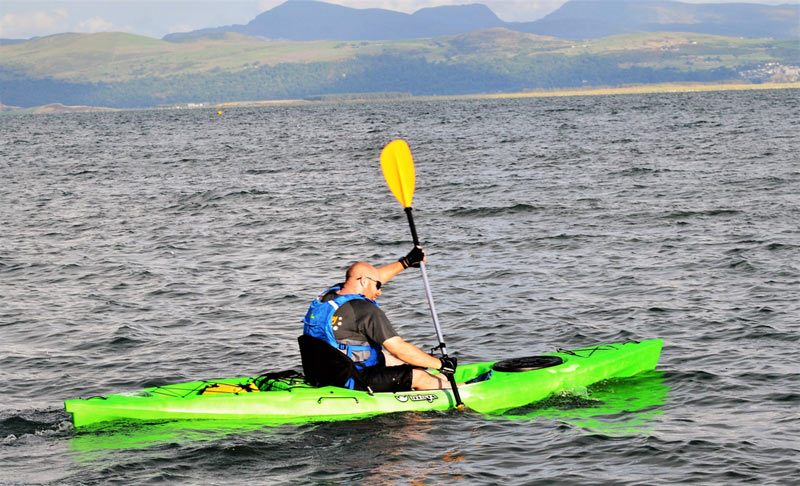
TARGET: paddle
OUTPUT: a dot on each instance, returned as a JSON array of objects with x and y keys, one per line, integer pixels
[{"x": 398, "y": 170}]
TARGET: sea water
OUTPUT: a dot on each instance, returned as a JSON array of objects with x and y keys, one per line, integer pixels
[{"x": 140, "y": 248}]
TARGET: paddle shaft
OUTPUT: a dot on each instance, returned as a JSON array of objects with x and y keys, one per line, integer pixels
[{"x": 429, "y": 295}]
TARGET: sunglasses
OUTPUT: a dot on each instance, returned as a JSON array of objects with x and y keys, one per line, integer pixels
[{"x": 377, "y": 282}]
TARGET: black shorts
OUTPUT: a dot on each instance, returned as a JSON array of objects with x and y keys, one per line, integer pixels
[{"x": 387, "y": 378}]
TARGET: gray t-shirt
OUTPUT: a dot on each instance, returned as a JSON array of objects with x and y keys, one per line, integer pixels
[{"x": 360, "y": 322}]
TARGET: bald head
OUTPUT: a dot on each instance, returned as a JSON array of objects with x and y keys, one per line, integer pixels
[
  {"x": 362, "y": 278},
  {"x": 360, "y": 269}
]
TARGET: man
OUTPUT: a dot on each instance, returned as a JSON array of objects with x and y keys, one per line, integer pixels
[{"x": 347, "y": 316}]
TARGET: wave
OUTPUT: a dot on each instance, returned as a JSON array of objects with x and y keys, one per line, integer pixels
[
  {"x": 702, "y": 213},
  {"x": 486, "y": 212},
  {"x": 637, "y": 171}
]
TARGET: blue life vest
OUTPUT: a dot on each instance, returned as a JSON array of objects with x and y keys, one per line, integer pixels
[{"x": 317, "y": 323}]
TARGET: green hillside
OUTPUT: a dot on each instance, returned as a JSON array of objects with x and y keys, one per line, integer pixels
[
  {"x": 121, "y": 57},
  {"x": 125, "y": 70}
]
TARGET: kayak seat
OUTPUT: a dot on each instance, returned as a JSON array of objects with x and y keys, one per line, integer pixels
[{"x": 324, "y": 365}]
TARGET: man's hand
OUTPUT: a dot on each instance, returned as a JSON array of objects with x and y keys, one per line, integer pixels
[
  {"x": 448, "y": 365},
  {"x": 413, "y": 258}
]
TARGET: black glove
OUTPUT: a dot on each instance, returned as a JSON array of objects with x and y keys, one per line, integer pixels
[
  {"x": 413, "y": 258},
  {"x": 448, "y": 365}
]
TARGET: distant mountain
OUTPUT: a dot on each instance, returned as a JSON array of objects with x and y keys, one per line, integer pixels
[
  {"x": 306, "y": 20},
  {"x": 587, "y": 19}
]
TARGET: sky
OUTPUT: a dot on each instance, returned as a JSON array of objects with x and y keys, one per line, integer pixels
[{"x": 22, "y": 19}]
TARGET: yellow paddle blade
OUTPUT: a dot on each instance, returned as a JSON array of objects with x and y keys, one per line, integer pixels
[{"x": 398, "y": 170}]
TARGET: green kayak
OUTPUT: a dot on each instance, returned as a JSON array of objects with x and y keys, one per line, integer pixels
[{"x": 490, "y": 387}]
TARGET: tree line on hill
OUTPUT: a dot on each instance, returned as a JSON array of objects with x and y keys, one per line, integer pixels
[{"x": 391, "y": 73}]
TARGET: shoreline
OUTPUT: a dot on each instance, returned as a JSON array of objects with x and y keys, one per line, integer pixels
[
  {"x": 636, "y": 89},
  {"x": 57, "y": 108}
]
